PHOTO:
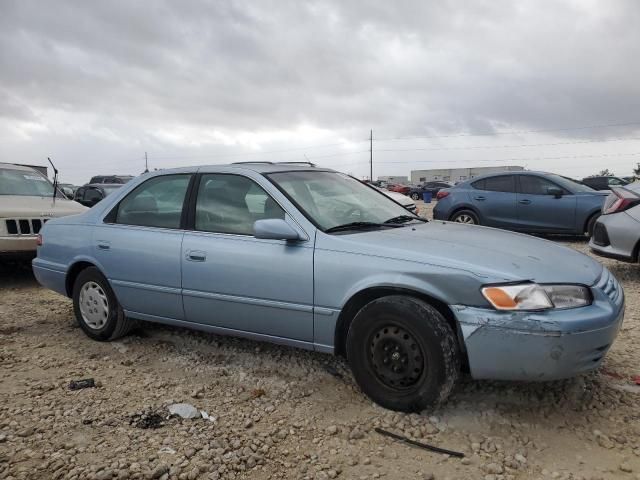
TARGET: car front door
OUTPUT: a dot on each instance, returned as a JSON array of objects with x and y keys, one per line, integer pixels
[
  {"x": 138, "y": 247},
  {"x": 235, "y": 281},
  {"x": 545, "y": 206},
  {"x": 495, "y": 199}
]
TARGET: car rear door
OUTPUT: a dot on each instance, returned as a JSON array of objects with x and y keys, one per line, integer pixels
[
  {"x": 541, "y": 210},
  {"x": 495, "y": 199},
  {"x": 235, "y": 281},
  {"x": 138, "y": 247}
]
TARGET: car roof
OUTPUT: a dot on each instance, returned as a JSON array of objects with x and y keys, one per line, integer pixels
[
  {"x": 507, "y": 172},
  {"x": 13, "y": 166},
  {"x": 258, "y": 167},
  {"x": 104, "y": 185}
]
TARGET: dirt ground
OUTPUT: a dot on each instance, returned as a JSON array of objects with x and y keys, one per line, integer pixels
[{"x": 285, "y": 413}]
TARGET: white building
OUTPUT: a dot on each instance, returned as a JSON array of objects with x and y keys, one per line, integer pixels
[
  {"x": 457, "y": 174},
  {"x": 394, "y": 179}
]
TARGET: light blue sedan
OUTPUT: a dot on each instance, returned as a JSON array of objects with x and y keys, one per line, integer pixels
[
  {"x": 313, "y": 258},
  {"x": 532, "y": 202}
]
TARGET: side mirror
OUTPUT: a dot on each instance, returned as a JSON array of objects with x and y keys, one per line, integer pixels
[
  {"x": 274, "y": 229},
  {"x": 556, "y": 192}
]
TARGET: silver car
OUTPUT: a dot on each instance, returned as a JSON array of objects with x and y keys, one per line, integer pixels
[{"x": 616, "y": 234}]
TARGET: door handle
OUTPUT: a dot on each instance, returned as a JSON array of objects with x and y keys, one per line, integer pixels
[
  {"x": 102, "y": 245},
  {"x": 480, "y": 198},
  {"x": 196, "y": 255},
  {"x": 524, "y": 202}
]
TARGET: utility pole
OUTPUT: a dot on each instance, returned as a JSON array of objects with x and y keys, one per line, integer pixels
[
  {"x": 371, "y": 156},
  {"x": 146, "y": 163}
]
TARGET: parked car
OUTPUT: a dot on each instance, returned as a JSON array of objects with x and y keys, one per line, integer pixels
[
  {"x": 119, "y": 179},
  {"x": 90, "y": 194},
  {"x": 533, "y": 202},
  {"x": 26, "y": 203},
  {"x": 68, "y": 189},
  {"x": 617, "y": 232},
  {"x": 604, "y": 182},
  {"x": 399, "y": 188},
  {"x": 416, "y": 193},
  {"x": 403, "y": 200},
  {"x": 312, "y": 258}
]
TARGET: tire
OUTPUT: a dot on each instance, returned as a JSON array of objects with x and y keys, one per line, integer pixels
[
  {"x": 101, "y": 317},
  {"x": 416, "y": 328},
  {"x": 465, "y": 216},
  {"x": 415, "y": 196},
  {"x": 591, "y": 223}
]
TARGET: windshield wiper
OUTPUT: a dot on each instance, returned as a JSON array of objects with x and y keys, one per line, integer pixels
[
  {"x": 404, "y": 219},
  {"x": 358, "y": 225}
]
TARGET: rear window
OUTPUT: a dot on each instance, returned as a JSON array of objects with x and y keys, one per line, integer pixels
[{"x": 501, "y": 183}]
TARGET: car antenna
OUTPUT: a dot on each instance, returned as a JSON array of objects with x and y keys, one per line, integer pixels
[{"x": 55, "y": 180}]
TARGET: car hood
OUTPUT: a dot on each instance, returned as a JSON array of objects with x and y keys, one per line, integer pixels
[
  {"x": 496, "y": 255},
  {"x": 14, "y": 206}
]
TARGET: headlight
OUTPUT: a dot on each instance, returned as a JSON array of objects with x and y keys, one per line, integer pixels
[{"x": 531, "y": 296}]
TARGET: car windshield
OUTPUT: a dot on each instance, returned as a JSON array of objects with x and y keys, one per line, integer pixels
[
  {"x": 332, "y": 199},
  {"x": 569, "y": 183},
  {"x": 24, "y": 182}
]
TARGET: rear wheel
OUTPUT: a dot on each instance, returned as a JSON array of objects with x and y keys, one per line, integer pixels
[
  {"x": 403, "y": 353},
  {"x": 415, "y": 196},
  {"x": 465, "y": 216},
  {"x": 592, "y": 223},
  {"x": 96, "y": 308}
]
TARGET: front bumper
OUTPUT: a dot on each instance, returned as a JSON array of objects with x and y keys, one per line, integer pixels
[
  {"x": 540, "y": 346},
  {"x": 18, "y": 244},
  {"x": 616, "y": 236}
]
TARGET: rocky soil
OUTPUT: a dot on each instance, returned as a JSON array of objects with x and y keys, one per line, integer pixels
[{"x": 278, "y": 412}]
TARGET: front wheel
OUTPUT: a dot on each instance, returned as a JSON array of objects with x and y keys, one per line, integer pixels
[
  {"x": 415, "y": 196},
  {"x": 465, "y": 216},
  {"x": 403, "y": 353},
  {"x": 96, "y": 308}
]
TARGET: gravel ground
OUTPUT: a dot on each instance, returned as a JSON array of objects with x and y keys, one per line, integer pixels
[{"x": 285, "y": 413}]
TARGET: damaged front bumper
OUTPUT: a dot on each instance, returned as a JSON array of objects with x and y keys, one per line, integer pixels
[{"x": 547, "y": 345}]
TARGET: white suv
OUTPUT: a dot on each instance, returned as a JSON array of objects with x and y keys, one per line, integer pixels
[{"x": 26, "y": 203}]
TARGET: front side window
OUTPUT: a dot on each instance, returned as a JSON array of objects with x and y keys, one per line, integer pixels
[
  {"x": 331, "y": 199},
  {"x": 532, "y": 185},
  {"x": 157, "y": 202},
  {"x": 232, "y": 204}
]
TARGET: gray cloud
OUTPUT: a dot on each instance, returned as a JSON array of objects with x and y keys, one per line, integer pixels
[{"x": 98, "y": 83}]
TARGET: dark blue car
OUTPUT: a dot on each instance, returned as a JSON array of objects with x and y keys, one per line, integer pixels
[{"x": 533, "y": 202}]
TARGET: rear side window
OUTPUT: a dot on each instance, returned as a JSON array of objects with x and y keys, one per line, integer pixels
[
  {"x": 232, "y": 203},
  {"x": 502, "y": 183},
  {"x": 157, "y": 202},
  {"x": 533, "y": 185},
  {"x": 92, "y": 195}
]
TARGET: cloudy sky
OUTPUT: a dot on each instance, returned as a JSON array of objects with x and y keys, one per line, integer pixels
[{"x": 543, "y": 84}]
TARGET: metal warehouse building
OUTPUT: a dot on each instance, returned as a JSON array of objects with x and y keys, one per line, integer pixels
[{"x": 457, "y": 174}]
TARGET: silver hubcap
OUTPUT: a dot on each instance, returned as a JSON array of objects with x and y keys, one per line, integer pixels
[
  {"x": 94, "y": 305},
  {"x": 464, "y": 219}
]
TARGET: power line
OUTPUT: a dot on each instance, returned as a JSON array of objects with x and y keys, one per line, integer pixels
[
  {"x": 478, "y": 147},
  {"x": 515, "y": 159},
  {"x": 511, "y": 132},
  {"x": 229, "y": 155}
]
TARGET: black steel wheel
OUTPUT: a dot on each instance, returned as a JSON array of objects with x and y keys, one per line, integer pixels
[
  {"x": 396, "y": 356},
  {"x": 403, "y": 353}
]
